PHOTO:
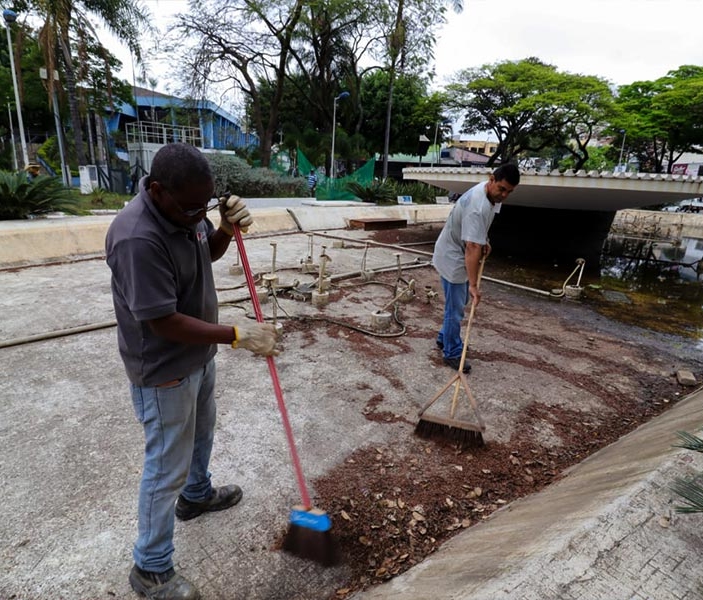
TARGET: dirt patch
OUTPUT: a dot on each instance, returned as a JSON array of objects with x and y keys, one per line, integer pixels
[{"x": 556, "y": 382}]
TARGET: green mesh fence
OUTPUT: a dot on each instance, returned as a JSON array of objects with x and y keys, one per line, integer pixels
[{"x": 335, "y": 189}]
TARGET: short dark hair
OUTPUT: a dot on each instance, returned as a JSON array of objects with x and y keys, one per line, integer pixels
[
  {"x": 176, "y": 165},
  {"x": 508, "y": 172}
]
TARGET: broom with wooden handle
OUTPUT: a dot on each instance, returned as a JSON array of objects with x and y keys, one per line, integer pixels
[
  {"x": 451, "y": 429},
  {"x": 309, "y": 534}
]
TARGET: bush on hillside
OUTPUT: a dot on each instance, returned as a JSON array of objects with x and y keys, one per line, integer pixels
[
  {"x": 21, "y": 199},
  {"x": 233, "y": 175}
]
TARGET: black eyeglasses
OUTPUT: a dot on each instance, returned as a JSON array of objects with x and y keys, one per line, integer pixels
[{"x": 214, "y": 203}]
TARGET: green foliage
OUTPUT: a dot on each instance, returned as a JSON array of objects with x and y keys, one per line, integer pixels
[
  {"x": 20, "y": 198},
  {"x": 689, "y": 489},
  {"x": 599, "y": 159},
  {"x": 531, "y": 106},
  {"x": 387, "y": 192},
  {"x": 421, "y": 192},
  {"x": 378, "y": 192},
  {"x": 659, "y": 120},
  {"x": 415, "y": 112},
  {"x": 234, "y": 175}
]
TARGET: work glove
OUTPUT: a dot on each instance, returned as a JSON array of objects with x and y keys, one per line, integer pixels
[
  {"x": 260, "y": 338},
  {"x": 233, "y": 212}
]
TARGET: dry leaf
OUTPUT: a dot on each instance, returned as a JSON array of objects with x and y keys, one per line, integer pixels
[
  {"x": 417, "y": 516},
  {"x": 345, "y": 515}
]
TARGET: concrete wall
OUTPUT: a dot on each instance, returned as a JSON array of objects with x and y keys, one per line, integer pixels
[{"x": 57, "y": 239}]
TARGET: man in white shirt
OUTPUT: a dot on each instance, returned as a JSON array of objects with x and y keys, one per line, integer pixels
[{"x": 458, "y": 251}]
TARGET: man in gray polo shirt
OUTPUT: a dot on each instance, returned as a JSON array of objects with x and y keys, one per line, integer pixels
[
  {"x": 457, "y": 254},
  {"x": 160, "y": 249}
]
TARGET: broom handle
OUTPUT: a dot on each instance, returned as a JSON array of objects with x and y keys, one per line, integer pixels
[
  {"x": 466, "y": 339},
  {"x": 274, "y": 374}
]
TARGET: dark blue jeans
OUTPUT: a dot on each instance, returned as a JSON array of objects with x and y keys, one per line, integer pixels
[{"x": 456, "y": 295}]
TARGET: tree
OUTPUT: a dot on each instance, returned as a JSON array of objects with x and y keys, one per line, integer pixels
[
  {"x": 530, "y": 106},
  {"x": 415, "y": 112},
  {"x": 409, "y": 42},
  {"x": 239, "y": 44},
  {"x": 662, "y": 119},
  {"x": 67, "y": 28}
]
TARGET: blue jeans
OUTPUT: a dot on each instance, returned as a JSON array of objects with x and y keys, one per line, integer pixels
[
  {"x": 456, "y": 295},
  {"x": 179, "y": 428}
]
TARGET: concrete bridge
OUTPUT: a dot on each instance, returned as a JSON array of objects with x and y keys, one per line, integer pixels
[
  {"x": 593, "y": 190},
  {"x": 563, "y": 216}
]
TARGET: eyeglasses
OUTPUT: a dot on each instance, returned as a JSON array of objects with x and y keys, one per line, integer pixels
[
  {"x": 214, "y": 203},
  {"x": 193, "y": 212}
]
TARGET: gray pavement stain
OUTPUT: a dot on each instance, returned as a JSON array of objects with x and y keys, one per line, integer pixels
[{"x": 72, "y": 448}]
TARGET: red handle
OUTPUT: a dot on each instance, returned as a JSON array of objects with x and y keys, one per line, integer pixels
[{"x": 274, "y": 374}]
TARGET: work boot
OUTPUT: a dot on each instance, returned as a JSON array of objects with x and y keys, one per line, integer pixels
[
  {"x": 221, "y": 498},
  {"x": 454, "y": 363},
  {"x": 162, "y": 586}
]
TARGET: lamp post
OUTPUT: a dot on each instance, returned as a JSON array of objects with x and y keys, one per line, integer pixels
[
  {"x": 622, "y": 147},
  {"x": 444, "y": 123},
  {"x": 65, "y": 170},
  {"x": 10, "y": 17},
  {"x": 12, "y": 138},
  {"x": 334, "y": 126}
]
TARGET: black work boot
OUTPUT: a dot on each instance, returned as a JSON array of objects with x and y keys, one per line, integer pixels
[
  {"x": 162, "y": 586},
  {"x": 221, "y": 498}
]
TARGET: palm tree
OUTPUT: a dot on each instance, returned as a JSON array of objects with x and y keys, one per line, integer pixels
[{"x": 67, "y": 21}]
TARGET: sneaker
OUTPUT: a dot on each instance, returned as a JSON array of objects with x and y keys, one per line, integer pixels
[
  {"x": 454, "y": 363},
  {"x": 162, "y": 586},
  {"x": 221, "y": 498}
]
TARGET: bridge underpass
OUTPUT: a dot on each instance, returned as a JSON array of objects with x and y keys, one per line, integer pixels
[{"x": 563, "y": 216}]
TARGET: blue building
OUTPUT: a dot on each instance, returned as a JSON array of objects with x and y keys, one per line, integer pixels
[{"x": 157, "y": 119}]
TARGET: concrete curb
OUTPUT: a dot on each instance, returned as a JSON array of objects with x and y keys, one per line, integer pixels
[{"x": 39, "y": 241}]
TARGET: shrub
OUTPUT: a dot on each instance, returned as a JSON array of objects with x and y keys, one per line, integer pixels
[
  {"x": 233, "y": 175},
  {"x": 20, "y": 198},
  {"x": 421, "y": 192},
  {"x": 380, "y": 192}
]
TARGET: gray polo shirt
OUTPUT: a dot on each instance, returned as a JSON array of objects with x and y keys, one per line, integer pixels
[
  {"x": 158, "y": 269},
  {"x": 469, "y": 221}
]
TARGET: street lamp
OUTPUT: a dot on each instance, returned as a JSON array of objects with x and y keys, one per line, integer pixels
[
  {"x": 65, "y": 169},
  {"x": 622, "y": 147},
  {"x": 334, "y": 125},
  {"x": 10, "y": 17}
]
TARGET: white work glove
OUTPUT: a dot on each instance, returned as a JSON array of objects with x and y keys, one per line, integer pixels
[
  {"x": 233, "y": 212},
  {"x": 260, "y": 338}
]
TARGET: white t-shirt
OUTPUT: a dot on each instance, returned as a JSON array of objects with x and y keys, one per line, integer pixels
[{"x": 468, "y": 221}]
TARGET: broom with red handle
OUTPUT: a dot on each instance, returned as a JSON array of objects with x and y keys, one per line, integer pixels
[{"x": 309, "y": 534}]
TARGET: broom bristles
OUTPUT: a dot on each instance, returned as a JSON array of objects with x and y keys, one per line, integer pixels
[
  {"x": 453, "y": 434},
  {"x": 309, "y": 536}
]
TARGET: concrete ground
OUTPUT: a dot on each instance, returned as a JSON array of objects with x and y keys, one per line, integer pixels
[{"x": 72, "y": 456}]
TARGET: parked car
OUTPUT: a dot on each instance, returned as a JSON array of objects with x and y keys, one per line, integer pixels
[{"x": 692, "y": 205}]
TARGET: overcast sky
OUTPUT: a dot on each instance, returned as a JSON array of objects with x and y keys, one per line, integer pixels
[{"x": 621, "y": 40}]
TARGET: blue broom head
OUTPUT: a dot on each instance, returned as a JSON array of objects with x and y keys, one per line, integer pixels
[{"x": 314, "y": 519}]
